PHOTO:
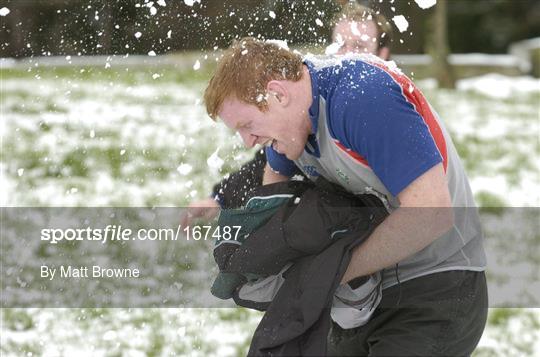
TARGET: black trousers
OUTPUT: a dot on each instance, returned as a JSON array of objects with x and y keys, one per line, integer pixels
[{"x": 441, "y": 314}]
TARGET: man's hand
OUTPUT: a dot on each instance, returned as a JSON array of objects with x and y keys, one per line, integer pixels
[
  {"x": 424, "y": 215},
  {"x": 206, "y": 209}
]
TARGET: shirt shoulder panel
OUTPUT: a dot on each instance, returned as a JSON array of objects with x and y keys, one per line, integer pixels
[{"x": 369, "y": 114}]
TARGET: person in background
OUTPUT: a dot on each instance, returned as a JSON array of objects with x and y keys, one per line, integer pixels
[
  {"x": 356, "y": 29},
  {"x": 359, "y": 29}
]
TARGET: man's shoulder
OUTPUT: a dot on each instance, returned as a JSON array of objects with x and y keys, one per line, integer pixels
[
  {"x": 355, "y": 82},
  {"x": 360, "y": 89}
]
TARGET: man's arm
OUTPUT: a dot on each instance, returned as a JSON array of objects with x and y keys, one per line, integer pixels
[
  {"x": 270, "y": 176},
  {"x": 424, "y": 215}
]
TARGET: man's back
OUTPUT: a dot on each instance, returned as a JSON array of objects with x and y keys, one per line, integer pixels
[{"x": 374, "y": 132}]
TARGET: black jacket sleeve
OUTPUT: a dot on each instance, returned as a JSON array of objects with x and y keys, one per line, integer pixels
[{"x": 233, "y": 190}]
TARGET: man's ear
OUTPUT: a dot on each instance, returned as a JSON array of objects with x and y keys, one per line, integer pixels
[{"x": 277, "y": 92}]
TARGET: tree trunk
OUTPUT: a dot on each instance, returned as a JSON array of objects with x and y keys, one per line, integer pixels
[
  {"x": 107, "y": 19},
  {"x": 438, "y": 46}
]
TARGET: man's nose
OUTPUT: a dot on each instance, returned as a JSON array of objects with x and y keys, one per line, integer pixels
[{"x": 248, "y": 139}]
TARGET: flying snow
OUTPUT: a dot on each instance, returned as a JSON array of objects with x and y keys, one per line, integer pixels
[
  {"x": 196, "y": 65},
  {"x": 333, "y": 48},
  {"x": 279, "y": 43},
  {"x": 214, "y": 161},
  {"x": 184, "y": 169},
  {"x": 4, "y": 11},
  {"x": 354, "y": 28},
  {"x": 401, "y": 23},
  {"x": 272, "y": 14},
  {"x": 151, "y": 53},
  {"x": 319, "y": 22},
  {"x": 425, "y": 4},
  {"x": 191, "y": 2},
  {"x": 138, "y": 34}
]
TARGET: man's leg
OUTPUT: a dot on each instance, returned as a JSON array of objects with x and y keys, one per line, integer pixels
[{"x": 440, "y": 314}]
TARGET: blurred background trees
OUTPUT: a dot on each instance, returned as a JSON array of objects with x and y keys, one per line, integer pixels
[
  {"x": 77, "y": 27},
  {"x": 438, "y": 46}
]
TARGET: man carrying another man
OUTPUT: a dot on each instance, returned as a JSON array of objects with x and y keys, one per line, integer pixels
[{"x": 366, "y": 127}]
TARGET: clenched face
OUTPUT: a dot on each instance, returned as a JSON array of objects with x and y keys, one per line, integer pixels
[{"x": 282, "y": 128}]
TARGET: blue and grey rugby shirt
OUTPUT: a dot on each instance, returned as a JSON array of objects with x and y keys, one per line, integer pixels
[{"x": 374, "y": 132}]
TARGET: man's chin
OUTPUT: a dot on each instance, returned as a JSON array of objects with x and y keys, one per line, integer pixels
[
  {"x": 292, "y": 156},
  {"x": 290, "y": 153}
]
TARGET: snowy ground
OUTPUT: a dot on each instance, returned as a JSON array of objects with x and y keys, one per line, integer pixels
[
  {"x": 127, "y": 139},
  {"x": 104, "y": 137}
]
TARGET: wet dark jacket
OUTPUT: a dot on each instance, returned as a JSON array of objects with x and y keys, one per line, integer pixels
[
  {"x": 234, "y": 190},
  {"x": 316, "y": 230}
]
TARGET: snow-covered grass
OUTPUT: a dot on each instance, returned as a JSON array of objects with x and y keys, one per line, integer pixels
[
  {"x": 96, "y": 140},
  {"x": 88, "y": 137},
  {"x": 126, "y": 332},
  {"x": 494, "y": 121},
  {"x": 140, "y": 137}
]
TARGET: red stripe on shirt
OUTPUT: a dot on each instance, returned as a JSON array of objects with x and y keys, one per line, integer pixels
[
  {"x": 356, "y": 156},
  {"x": 420, "y": 104}
]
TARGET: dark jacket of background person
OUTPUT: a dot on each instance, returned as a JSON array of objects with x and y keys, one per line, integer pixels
[
  {"x": 231, "y": 192},
  {"x": 234, "y": 190},
  {"x": 297, "y": 320}
]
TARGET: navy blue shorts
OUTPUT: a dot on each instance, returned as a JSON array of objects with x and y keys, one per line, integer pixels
[{"x": 441, "y": 314}]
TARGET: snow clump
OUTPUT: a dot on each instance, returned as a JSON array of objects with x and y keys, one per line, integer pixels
[
  {"x": 184, "y": 169},
  {"x": 214, "y": 161},
  {"x": 279, "y": 43},
  {"x": 425, "y": 4},
  {"x": 401, "y": 23},
  {"x": 191, "y": 2}
]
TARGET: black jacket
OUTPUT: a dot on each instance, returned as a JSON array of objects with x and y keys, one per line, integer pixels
[
  {"x": 233, "y": 191},
  {"x": 315, "y": 230}
]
